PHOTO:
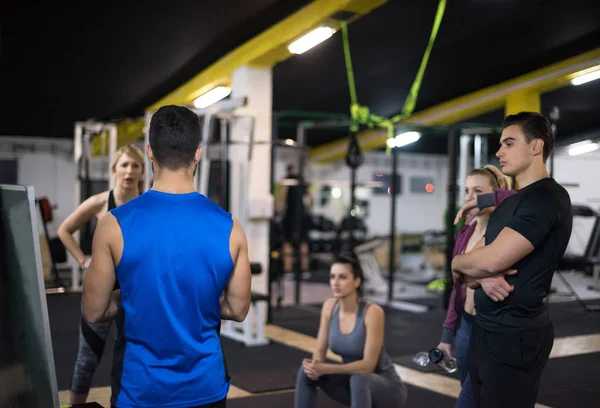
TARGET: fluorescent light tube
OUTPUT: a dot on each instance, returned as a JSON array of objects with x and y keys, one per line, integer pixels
[
  {"x": 212, "y": 96},
  {"x": 308, "y": 41}
]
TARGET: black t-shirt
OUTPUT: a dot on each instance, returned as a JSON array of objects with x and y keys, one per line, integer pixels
[
  {"x": 540, "y": 212},
  {"x": 292, "y": 199}
]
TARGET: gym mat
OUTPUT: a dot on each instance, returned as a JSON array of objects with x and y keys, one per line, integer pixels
[
  {"x": 417, "y": 398},
  {"x": 262, "y": 368},
  {"x": 405, "y": 333},
  {"x": 406, "y": 361},
  {"x": 291, "y": 313},
  {"x": 283, "y": 400},
  {"x": 422, "y": 398},
  {"x": 433, "y": 302},
  {"x": 256, "y": 369},
  {"x": 571, "y": 382},
  {"x": 570, "y": 319}
]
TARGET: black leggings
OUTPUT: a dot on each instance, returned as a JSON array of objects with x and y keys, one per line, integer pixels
[
  {"x": 92, "y": 339},
  {"x": 357, "y": 390}
]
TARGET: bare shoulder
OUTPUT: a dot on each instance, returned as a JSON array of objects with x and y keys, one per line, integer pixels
[
  {"x": 237, "y": 226},
  {"x": 238, "y": 236},
  {"x": 99, "y": 202},
  {"x": 374, "y": 313},
  {"x": 108, "y": 227},
  {"x": 108, "y": 238},
  {"x": 328, "y": 307},
  {"x": 100, "y": 198}
]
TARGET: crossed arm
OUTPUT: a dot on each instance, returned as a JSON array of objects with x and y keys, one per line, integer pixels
[
  {"x": 496, "y": 258},
  {"x": 100, "y": 302}
]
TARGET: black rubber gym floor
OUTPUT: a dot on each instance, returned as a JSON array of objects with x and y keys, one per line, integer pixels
[
  {"x": 417, "y": 398},
  {"x": 567, "y": 382}
]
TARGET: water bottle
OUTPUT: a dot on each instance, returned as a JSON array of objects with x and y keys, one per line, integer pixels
[
  {"x": 438, "y": 357},
  {"x": 421, "y": 359}
]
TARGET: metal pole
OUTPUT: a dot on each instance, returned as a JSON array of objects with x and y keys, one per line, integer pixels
[
  {"x": 78, "y": 154},
  {"x": 480, "y": 155},
  {"x": 112, "y": 151},
  {"x": 452, "y": 187},
  {"x": 205, "y": 160},
  {"x": 299, "y": 200},
  {"x": 224, "y": 165},
  {"x": 392, "y": 253},
  {"x": 274, "y": 137},
  {"x": 465, "y": 144},
  {"x": 554, "y": 116},
  {"x": 352, "y": 205}
]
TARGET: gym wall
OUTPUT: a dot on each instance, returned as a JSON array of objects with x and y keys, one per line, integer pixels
[
  {"x": 417, "y": 210},
  {"x": 48, "y": 166},
  {"x": 579, "y": 175}
]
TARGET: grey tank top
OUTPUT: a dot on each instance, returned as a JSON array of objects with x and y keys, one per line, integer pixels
[{"x": 351, "y": 346}]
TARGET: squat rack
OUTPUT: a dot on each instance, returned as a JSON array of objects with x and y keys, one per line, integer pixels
[
  {"x": 85, "y": 134},
  {"x": 309, "y": 120}
]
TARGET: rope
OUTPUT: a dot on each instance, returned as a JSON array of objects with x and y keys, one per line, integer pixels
[
  {"x": 354, "y": 107},
  {"x": 411, "y": 99},
  {"x": 361, "y": 115}
]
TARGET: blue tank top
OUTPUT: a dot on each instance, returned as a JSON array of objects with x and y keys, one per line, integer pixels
[{"x": 176, "y": 262}]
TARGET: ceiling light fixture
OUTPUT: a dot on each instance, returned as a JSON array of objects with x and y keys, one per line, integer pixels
[
  {"x": 310, "y": 40},
  {"x": 586, "y": 76},
  {"x": 212, "y": 96},
  {"x": 403, "y": 139},
  {"x": 586, "y": 146}
]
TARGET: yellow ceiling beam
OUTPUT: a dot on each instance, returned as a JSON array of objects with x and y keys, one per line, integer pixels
[
  {"x": 477, "y": 103},
  {"x": 266, "y": 50},
  {"x": 523, "y": 101}
]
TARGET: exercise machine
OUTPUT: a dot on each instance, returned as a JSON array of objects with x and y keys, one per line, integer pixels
[
  {"x": 250, "y": 332},
  {"x": 589, "y": 262},
  {"x": 56, "y": 249},
  {"x": 374, "y": 280},
  {"x": 93, "y": 176}
]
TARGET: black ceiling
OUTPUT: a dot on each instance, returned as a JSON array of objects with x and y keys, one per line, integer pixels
[{"x": 64, "y": 62}]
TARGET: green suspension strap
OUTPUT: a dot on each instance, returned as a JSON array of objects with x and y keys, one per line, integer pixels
[
  {"x": 355, "y": 109},
  {"x": 360, "y": 115},
  {"x": 354, "y": 157},
  {"x": 411, "y": 99}
]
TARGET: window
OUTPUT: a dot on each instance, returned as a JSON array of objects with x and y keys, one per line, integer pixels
[
  {"x": 386, "y": 180},
  {"x": 422, "y": 185}
]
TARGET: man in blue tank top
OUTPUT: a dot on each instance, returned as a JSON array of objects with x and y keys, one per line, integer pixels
[{"x": 182, "y": 265}]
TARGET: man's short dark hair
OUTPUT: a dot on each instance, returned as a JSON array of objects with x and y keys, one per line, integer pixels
[
  {"x": 534, "y": 126},
  {"x": 174, "y": 136}
]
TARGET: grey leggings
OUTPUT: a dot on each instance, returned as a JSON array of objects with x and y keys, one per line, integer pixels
[
  {"x": 356, "y": 390},
  {"x": 92, "y": 339}
]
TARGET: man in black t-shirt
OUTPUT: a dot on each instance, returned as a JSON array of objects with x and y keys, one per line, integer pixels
[
  {"x": 294, "y": 200},
  {"x": 528, "y": 233}
]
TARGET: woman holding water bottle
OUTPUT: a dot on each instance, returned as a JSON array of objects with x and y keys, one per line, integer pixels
[{"x": 461, "y": 309}]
